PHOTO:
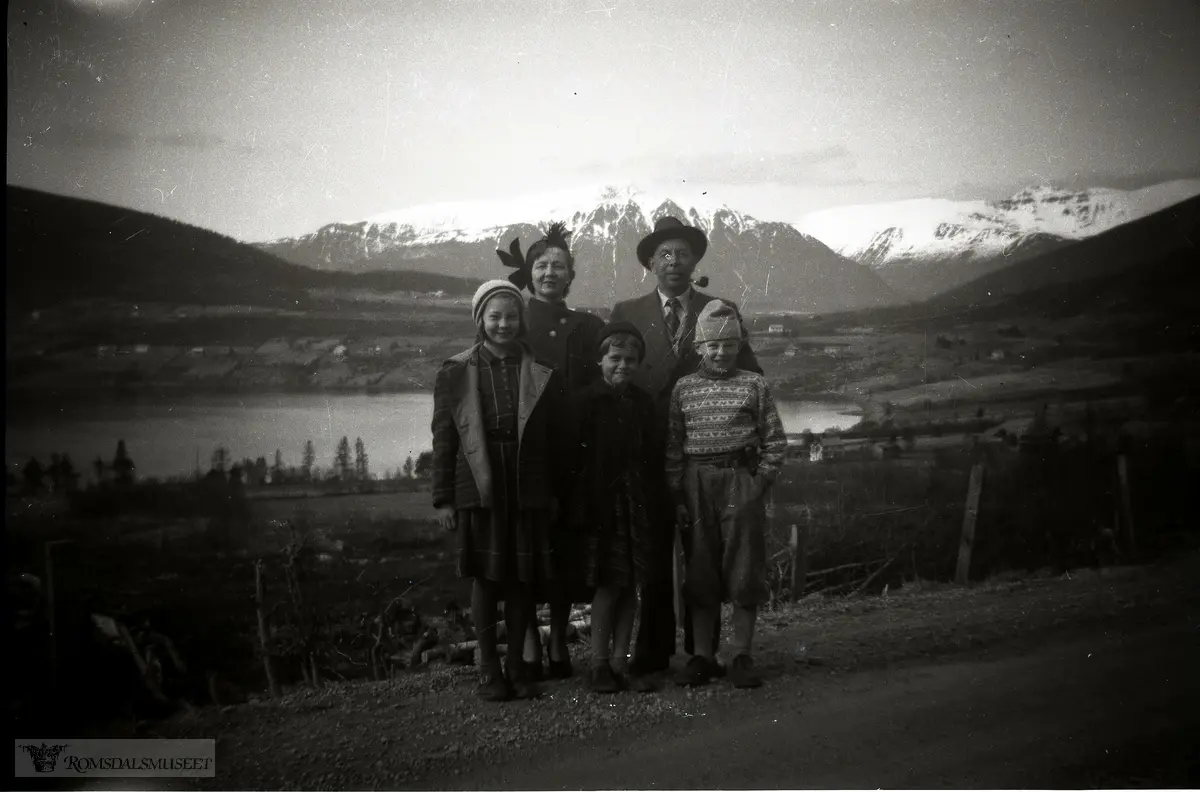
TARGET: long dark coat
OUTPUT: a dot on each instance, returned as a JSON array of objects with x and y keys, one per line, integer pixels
[
  {"x": 616, "y": 440},
  {"x": 565, "y": 339},
  {"x": 462, "y": 476}
]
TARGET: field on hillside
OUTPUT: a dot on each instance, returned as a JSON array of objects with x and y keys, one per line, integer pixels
[
  {"x": 912, "y": 358},
  {"x": 351, "y": 583}
]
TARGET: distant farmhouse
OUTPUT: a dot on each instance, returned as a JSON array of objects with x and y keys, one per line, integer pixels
[
  {"x": 370, "y": 348},
  {"x": 318, "y": 344},
  {"x": 275, "y": 346}
]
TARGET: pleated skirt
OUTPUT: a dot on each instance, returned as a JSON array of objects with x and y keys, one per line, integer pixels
[{"x": 506, "y": 544}]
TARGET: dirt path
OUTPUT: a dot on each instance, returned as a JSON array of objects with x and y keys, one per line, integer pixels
[{"x": 1085, "y": 680}]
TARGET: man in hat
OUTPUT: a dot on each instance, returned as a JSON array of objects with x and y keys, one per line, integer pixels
[{"x": 666, "y": 318}]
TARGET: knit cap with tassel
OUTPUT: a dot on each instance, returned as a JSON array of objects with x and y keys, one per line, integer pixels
[{"x": 718, "y": 320}]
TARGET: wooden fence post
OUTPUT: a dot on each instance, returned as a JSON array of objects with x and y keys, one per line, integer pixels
[
  {"x": 799, "y": 560},
  {"x": 962, "y": 574},
  {"x": 1126, "y": 503},
  {"x": 60, "y": 603},
  {"x": 263, "y": 631},
  {"x": 51, "y": 615},
  {"x": 677, "y": 574}
]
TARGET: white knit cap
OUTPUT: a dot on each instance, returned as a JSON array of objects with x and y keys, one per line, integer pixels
[
  {"x": 489, "y": 290},
  {"x": 717, "y": 321}
]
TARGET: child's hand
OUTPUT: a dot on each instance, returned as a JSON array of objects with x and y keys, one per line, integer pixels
[
  {"x": 762, "y": 486},
  {"x": 445, "y": 518},
  {"x": 682, "y": 518}
]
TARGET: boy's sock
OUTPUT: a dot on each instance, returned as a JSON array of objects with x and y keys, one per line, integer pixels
[
  {"x": 624, "y": 612},
  {"x": 603, "y": 614},
  {"x": 560, "y": 614},
  {"x": 533, "y": 639},
  {"x": 703, "y": 620},
  {"x": 743, "y": 628}
]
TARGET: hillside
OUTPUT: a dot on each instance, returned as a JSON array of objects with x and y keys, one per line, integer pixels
[
  {"x": 1170, "y": 238},
  {"x": 926, "y": 247},
  {"x": 60, "y": 249},
  {"x": 918, "y": 276}
]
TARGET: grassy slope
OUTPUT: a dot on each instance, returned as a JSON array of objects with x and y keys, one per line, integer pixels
[{"x": 60, "y": 249}]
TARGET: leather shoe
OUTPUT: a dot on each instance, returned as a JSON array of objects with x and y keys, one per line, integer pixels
[{"x": 698, "y": 671}]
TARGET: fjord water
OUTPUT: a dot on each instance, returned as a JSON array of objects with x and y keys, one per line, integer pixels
[{"x": 170, "y": 436}]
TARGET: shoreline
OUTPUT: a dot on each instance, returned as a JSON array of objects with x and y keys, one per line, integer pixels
[{"x": 22, "y": 397}]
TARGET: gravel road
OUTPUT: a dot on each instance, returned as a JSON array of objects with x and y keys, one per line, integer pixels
[{"x": 991, "y": 686}]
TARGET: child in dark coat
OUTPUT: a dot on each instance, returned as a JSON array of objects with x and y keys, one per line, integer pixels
[
  {"x": 613, "y": 508},
  {"x": 497, "y": 411}
]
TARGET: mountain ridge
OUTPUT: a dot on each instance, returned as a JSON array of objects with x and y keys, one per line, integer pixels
[
  {"x": 1171, "y": 234},
  {"x": 760, "y": 263},
  {"x": 923, "y": 247}
]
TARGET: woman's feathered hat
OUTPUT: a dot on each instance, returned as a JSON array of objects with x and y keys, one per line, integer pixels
[
  {"x": 557, "y": 236},
  {"x": 514, "y": 259}
]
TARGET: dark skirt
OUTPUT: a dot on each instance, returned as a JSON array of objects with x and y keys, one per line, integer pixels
[
  {"x": 612, "y": 555},
  {"x": 505, "y": 543}
]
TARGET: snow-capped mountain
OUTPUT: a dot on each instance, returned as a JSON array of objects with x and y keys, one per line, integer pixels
[
  {"x": 927, "y": 246},
  {"x": 764, "y": 265}
]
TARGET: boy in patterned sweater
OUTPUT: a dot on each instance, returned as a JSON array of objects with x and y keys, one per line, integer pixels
[{"x": 725, "y": 446}]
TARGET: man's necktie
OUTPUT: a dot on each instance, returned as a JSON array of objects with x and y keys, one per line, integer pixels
[{"x": 673, "y": 317}]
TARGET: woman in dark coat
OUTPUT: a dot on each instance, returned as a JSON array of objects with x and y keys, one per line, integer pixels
[{"x": 565, "y": 340}]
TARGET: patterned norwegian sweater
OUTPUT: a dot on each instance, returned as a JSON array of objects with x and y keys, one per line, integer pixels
[{"x": 711, "y": 414}]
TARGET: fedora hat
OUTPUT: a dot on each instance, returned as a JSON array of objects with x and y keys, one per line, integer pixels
[{"x": 671, "y": 228}]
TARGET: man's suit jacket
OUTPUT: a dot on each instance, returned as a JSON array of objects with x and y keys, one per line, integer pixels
[{"x": 664, "y": 366}]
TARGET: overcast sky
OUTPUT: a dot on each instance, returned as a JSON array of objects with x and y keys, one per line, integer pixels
[{"x": 264, "y": 118}]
